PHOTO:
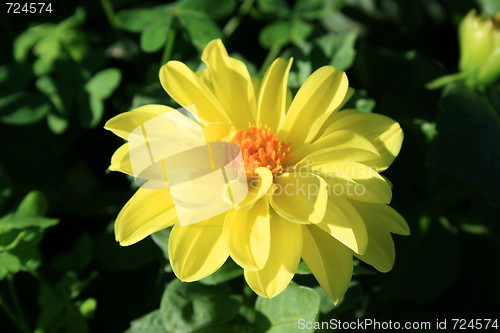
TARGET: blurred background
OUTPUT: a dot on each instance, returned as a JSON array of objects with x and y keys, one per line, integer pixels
[{"x": 71, "y": 65}]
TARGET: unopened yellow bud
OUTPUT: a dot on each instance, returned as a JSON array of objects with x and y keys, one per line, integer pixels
[{"x": 480, "y": 49}]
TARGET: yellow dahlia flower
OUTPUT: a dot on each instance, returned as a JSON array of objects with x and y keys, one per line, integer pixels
[{"x": 315, "y": 191}]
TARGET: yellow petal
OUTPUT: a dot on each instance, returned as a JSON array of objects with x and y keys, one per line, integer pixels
[
  {"x": 197, "y": 250},
  {"x": 336, "y": 153},
  {"x": 257, "y": 188},
  {"x": 120, "y": 161},
  {"x": 284, "y": 258},
  {"x": 248, "y": 235},
  {"x": 384, "y": 215},
  {"x": 383, "y": 132},
  {"x": 320, "y": 94},
  {"x": 231, "y": 84},
  {"x": 346, "y": 142},
  {"x": 380, "y": 252},
  {"x": 204, "y": 75},
  {"x": 219, "y": 132},
  {"x": 343, "y": 222},
  {"x": 273, "y": 94},
  {"x": 300, "y": 197},
  {"x": 148, "y": 211},
  {"x": 186, "y": 88},
  {"x": 320, "y": 122},
  {"x": 328, "y": 260},
  {"x": 124, "y": 123},
  {"x": 354, "y": 180}
]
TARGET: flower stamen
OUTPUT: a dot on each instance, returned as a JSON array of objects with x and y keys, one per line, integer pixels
[{"x": 261, "y": 148}]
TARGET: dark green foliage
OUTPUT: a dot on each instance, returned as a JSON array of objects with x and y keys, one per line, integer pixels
[{"x": 63, "y": 75}]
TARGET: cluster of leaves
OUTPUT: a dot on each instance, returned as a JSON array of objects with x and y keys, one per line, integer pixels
[
  {"x": 157, "y": 24},
  {"x": 21, "y": 231},
  {"x": 63, "y": 81},
  {"x": 103, "y": 58}
]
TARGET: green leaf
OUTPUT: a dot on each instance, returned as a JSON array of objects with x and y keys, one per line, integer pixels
[
  {"x": 188, "y": 307},
  {"x": 48, "y": 48},
  {"x": 60, "y": 312},
  {"x": 20, "y": 223},
  {"x": 57, "y": 124},
  {"x": 47, "y": 86},
  {"x": 28, "y": 214},
  {"x": 299, "y": 30},
  {"x": 275, "y": 34},
  {"x": 96, "y": 111},
  {"x": 285, "y": 310},
  {"x": 339, "y": 48},
  {"x": 221, "y": 10},
  {"x": 427, "y": 128},
  {"x": 467, "y": 144},
  {"x": 135, "y": 20},
  {"x": 33, "y": 204},
  {"x": 21, "y": 231},
  {"x": 103, "y": 83},
  {"x": 303, "y": 269},
  {"x": 200, "y": 27},
  {"x": 326, "y": 304},
  {"x": 8, "y": 264},
  {"x": 154, "y": 35},
  {"x": 365, "y": 104},
  {"x": 88, "y": 307},
  {"x": 51, "y": 305},
  {"x": 310, "y": 9},
  {"x": 231, "y": 327},
  {"x": 227, "y": 272},
  {"x": 25, "y": 41},
  {"x": 280, "y": 33},
  {"x": 22, "y": 108},
  {"x": 73, "y": 21},
  {"x": 278, "y": 8},
  {"x": 27, "y": 250},
  {"x": 151, "y": 323},
  {"x": 43, "y": 66}
]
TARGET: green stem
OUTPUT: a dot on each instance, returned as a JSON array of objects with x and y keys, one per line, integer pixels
[
  {"x": 235, "y": 21},
  {"x": 107, "y": 6},
  {"x": 273, "y": 53},
  {"x": 442, "y": 81},
  {"x": 21, "y": 318},
  {"x": 10, "y": 313},
  {"x": 169, "y": 46}
]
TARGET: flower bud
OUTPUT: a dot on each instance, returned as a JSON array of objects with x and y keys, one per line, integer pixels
[{"x": 480, "y": 49}]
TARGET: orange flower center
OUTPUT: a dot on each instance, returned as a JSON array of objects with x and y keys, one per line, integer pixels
[{"x": 261, "y": 148}]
